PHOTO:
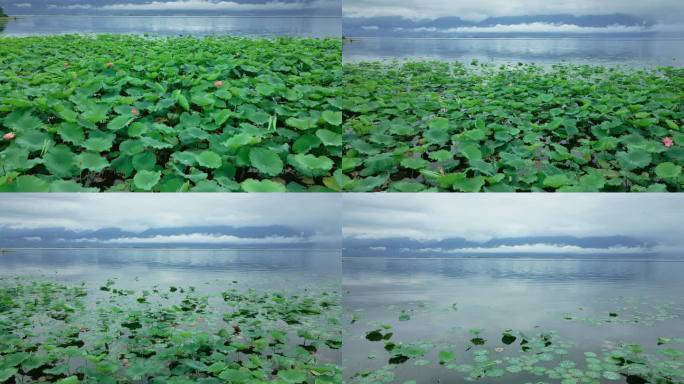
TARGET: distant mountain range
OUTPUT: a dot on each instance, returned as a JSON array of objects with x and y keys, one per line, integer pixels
[
  {"x": 453, "y": 25},
  {"x": 273, "y": 236},
  {"x": 460, "y": 247}
]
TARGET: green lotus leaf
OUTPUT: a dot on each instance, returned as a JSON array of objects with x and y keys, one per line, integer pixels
[
  {"x": 146, "y": 180},
  {"x": 301, "y": 123},
  {"x": 439, "y": 123},
  {"x": 99, "y": 141},
  {"x": 71, "y": 133},
  {"x": 17, "y": 159},
  {"x": 258, "y": 117},
  {"x": 471, "y": 151},
  {"x": 592, "y": 182},
  {"x": 556, "y": 181},
  {"x": 91, "y": 161},
  {"x": 441, "y": 155},
  {"x": 69, "y": 380},
  {"x": 33, "y": 140},
  {"x": 251, "y": 185},
  {"x": 22, "y": 120},
  {"x": 293, "y": 376},
  {"x": 265, "y": 89},
  {"x": 634, "y": 159},
  {"x": 668, "y": 170},
  {"x": 209, "y": 159},
  {"x": 240, "y": 140},
  {"x": 332, "y": 117},
  {"x": 266, "y": 161},
  {"x": 145, "y": 161},
  {"x": 60, "y": 161},
  {"x": 329, "y": 138},
  {"x": 465, "y": 184},
  {"x": 7, "y": 373},
  {"x": 413, "y": 163},
  {"x": 202, "y": 99},
  {"x": 305, "y": 143},
  {"x": 28, "y": 183},
  {"x": 119, "y": 122},
  {"x": 310, "y": 164}
]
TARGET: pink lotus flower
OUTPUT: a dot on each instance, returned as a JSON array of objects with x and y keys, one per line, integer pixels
[
  {"x": 135, "y": 112},
  {"x": 218, "y": 83},
  {"x": 668, "y": 142},
  {"x": 9, "y": 136}
]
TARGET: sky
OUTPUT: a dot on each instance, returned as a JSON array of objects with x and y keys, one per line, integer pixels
[
  {"x": 479, "y": 218},
  {"x": 139, "y": 218},
  {"x": 455, "y": 18},
  {"x": 482, "y": 9},
  {"x": 238, "y": 7}
]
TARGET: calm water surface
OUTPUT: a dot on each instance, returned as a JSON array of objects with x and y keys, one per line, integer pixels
[
  {"x": 211, "y": 270},
  {"x": 173, "y": 25},
  {"x": 586, "y": 50},
  {"x": 446, "y": 298}
]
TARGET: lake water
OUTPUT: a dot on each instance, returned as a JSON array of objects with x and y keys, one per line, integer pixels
[
  {"x": 208, "y": 270},
  {"x": 588, "y": 50},
  {"x": 173, "y": 25},
  {"x": 446, "y": 298}
]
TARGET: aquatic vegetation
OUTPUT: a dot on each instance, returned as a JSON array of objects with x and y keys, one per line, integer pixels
[
  {"x": 545, "y": 356},
  {"x": 436, "y": 126},
  {"x": 541, "y": 355},
  {"x": 126, "y": 113},
  {"x": 53, "y": 332}
]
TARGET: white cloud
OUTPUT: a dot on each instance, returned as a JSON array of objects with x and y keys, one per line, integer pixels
[
  {"x": 208, "y": 5},
  {"x": 378, "y": 248},
  {"x": 535, "y": 248},
  {"x": 539, "y": 28},
  {"x": 481, "y": 9},
  {"x": 316, "y": 212},
  {"x": 33, "y": 238},
  {"x": 198, "y": 238},
  {"x": 23, "y": 5},
  {"x": 370, "y": 27},
  {"x": 479, "y": 217}
]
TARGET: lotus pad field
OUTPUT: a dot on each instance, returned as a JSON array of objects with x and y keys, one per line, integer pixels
[
  {"x": 418, "y": 126},
  {"x": 53, "y": 332},
  {"x": 514, "y": 356},
  {"x": 126, "y": 113}
]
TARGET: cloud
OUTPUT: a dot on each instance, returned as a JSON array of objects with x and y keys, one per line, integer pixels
[
  {"x": 535, "y": 248},
  {"x": 482, "y": 9},
  {"x": 207, "y": 5},
  {"x": 480, "y": 217},
  {"x": 199, "y": 238},
  {"x": 312, "y": 212},
  {"x": 539, "y": 27},
  {"x": 23, "y": 5}
]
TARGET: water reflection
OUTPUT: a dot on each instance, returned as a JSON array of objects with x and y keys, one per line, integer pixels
[
  {"x": 534, "y": 270},
  {"x": 635, "y": 51},
  {"x": 446, "y": 298},
  {"x": 137, "y": 267},
  {"x": 176, "y": 25}
]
